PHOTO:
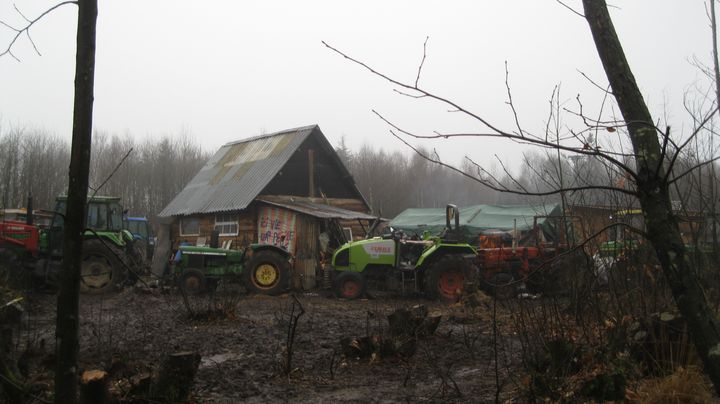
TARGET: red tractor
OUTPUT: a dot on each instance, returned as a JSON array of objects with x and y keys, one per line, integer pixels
[
  {"x": 18, "y": 242},
  {"x": 508, "y": 264}
]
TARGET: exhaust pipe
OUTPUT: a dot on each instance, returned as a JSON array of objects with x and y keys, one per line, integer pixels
[{"x": 29, "y": 215}]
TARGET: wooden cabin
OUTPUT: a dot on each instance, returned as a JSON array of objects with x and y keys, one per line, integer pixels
[{"x": 287, "y": 188}]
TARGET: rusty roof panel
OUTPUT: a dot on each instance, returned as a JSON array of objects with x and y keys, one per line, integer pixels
[
  {"x": 319, "y": 210},
  {"x": 237, "y": 173}
]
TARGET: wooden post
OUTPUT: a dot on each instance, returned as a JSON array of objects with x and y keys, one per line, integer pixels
[
  {"x": 311, "y": 173},
  {"x": 162, "y": 247},
  {"x": 94, "y": 387}
]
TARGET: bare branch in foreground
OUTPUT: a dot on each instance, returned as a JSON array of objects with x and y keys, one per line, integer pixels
[
  {"x": 500, "y": 188},
  {"x": 422, "y": 62},
  {"x": 26, "y": 28}
]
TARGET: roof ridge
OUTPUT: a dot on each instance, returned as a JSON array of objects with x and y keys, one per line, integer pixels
[{"x": 282, "y": 132}]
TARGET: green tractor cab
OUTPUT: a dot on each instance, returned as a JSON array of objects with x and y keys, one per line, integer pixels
[
  {"x": 261, "y": 268},
  {"x": 109, "y": 256},
  {"x": 440, "y": 266}
]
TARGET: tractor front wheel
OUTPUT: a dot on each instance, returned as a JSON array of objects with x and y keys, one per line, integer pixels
[
  {"x": 349, "y": 285},
  {"x": 100, "y": 268},
  {"x": 267, "y": 273},
  {"x": 446, "y": 279}
]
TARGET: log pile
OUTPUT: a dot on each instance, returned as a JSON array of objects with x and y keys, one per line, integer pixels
[{"x": 405, "y": 328}]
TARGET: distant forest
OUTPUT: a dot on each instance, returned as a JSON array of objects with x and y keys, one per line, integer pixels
[{"x": 35, "y": 161}]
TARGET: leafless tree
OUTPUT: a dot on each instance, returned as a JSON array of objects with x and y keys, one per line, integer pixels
[
  {"x": 646, "y": 161},
  {"x": 66, "y": 377}
]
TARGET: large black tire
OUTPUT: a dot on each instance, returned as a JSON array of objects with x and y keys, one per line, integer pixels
[
  {"x": 192, "y": 282},
  {"x": 449, "y": 277},
  {"x": 267, "y": 273},
  {"x": 349, "y": 285},
  {"x": 135, "y": 259},
  {"x": 101, "y": 268}
]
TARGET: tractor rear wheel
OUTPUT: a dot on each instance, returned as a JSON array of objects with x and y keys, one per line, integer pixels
[
  {"x": 267, "y": 272},
  {"x": 446, "y": 279},
  {"x": 100, "y": 269},
  {"x": 349, "y": 285},
  {"x": 192, "y": 282}
]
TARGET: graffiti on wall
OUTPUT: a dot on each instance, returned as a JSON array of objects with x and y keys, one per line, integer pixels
[{"x": 276, "y": 226}]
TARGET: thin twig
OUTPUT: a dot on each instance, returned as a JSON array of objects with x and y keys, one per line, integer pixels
[
  {"x": 117, "y": 167},
  {"x": 26, "y": 29},
  {"x": 571, "y": 9},
  {"x": 422, "y": 62}
]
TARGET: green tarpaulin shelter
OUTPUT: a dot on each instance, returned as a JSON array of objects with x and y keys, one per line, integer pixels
[{"x": 476, "y": 219}]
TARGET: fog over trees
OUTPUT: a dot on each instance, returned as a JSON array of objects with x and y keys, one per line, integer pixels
[{"x": 35, "y": 161}]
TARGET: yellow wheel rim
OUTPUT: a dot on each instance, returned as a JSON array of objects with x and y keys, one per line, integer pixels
[{"x": 266, "y": 275}]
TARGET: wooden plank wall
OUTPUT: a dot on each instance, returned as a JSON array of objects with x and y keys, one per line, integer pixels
[
  {"x": 247, "y": 230},
  {"x": 306, "y": 252},
  {"x": 306, "y": 272}
]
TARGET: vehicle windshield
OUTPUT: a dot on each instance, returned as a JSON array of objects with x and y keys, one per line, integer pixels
[
  {"x": 137, "y": 227},
  {"x": 100, "y": 216}
]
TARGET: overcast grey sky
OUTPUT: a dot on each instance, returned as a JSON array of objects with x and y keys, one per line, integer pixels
[{"x": 225, "y": 70}]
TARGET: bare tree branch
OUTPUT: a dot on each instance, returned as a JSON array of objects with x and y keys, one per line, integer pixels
[
  {"x": 693, "y": 168},
  {"x": 687, "y": 141},
  {"x": 419, "y": 90},
  {"x": 521, "y": 132},
  {"x": 422, "y": 62},
  {"x": 505, "y": 189},
  {"x": 571, "y": 9},
  {"x": 26, "y": 28},
  {"x": 601, "y": 88},
  {"x": 516, "y": 138}
]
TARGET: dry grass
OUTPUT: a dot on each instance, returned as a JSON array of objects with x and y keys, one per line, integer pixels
[{"x": 686, "y": 385}]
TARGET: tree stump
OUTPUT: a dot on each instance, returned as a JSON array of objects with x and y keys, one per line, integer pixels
[
  {"x": 175, "y": 377},
  {"x": 94, "y": 387}
]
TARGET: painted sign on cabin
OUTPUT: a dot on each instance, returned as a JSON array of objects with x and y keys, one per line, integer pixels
[{"x": 276, "y": 226}]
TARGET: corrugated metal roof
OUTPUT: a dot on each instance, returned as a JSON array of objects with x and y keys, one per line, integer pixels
[
  {"x": 239, "y": 171},
  {"x": 319, "y": 210}
]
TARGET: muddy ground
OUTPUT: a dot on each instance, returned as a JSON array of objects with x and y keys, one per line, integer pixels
[{"x": 243, "y": 347}]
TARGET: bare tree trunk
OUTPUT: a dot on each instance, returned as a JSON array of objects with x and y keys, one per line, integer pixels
[
  {"x": 67, "y": 327},
  {"x": 713, "y": 177},
  {"x": 653, "y": 191}
]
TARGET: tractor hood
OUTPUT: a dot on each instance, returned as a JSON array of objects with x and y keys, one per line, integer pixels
[{"x": 377, "y": 251}]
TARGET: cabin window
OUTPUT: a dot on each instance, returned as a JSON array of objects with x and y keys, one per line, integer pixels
[
  {"x": 189, "y": 226},
  {"x": 226, "y": 224},
  {"x": 348, "y": 233}
]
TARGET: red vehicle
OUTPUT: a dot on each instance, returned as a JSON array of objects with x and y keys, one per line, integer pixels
[
  {"x": 19, "y": 237},
  {"x": 508, "y": 264}
]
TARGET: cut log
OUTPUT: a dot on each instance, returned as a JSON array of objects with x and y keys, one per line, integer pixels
[
  {"x": 94, "y": 387},
  {"x": 358, "y": 348},
  {"x": 413, "y": 322},
  {"x": 175, "y": 378}
]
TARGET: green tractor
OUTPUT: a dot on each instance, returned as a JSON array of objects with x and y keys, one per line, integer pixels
[
  {"x": 109, "y": 256},
  {"x": 262, "y": 268},
  {"x": 439, "y": 266}
]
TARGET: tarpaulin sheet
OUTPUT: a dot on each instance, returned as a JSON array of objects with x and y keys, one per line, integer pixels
[{"x": 475, "y": 219}]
